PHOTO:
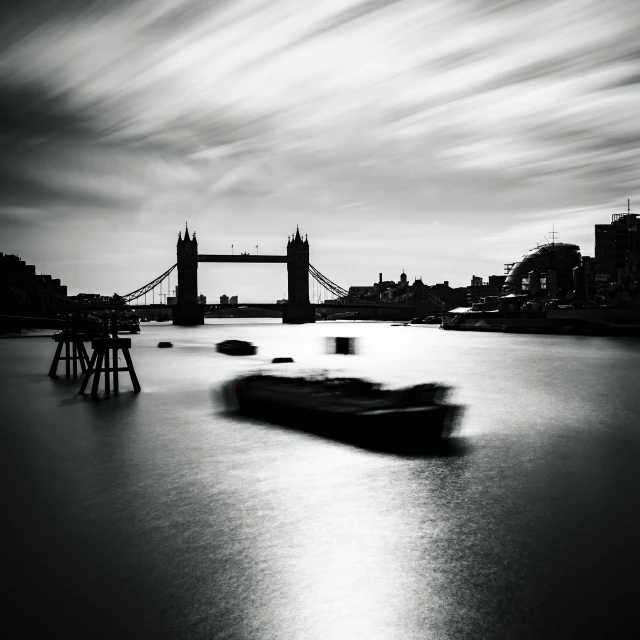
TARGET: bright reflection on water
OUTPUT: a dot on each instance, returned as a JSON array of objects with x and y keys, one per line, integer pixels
[{"x": 161, "y": 516}]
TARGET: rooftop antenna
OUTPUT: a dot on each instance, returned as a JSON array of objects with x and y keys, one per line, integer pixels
[
  {"x": 553, "y": 235},
  {"x": 628, "y": 206}
]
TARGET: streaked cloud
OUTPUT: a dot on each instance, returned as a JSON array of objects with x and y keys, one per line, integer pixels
[{"x": 370, "y": 118}]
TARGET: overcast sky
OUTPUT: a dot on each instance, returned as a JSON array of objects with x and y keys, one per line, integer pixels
[{"x": 444, "y": 138}]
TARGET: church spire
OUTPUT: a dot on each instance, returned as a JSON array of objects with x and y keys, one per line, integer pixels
[
  {"x": 298, "y": 238},
  {"x": 186, "y": 233}
]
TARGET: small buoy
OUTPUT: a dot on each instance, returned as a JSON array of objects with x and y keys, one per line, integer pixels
[
  {"x": 281, "y": 360},
  {"x": 164, "y": 345}
]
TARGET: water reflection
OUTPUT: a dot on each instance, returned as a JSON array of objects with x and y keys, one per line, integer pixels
[{"x": 190, "y": 522}]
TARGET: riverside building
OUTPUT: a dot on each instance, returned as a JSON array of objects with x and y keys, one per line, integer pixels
[
  {"x": 553, "y": 262},
  {"x": 617, "y": 248}
]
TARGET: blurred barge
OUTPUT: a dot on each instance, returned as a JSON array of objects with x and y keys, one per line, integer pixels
[{"x": 350, "y": 409}]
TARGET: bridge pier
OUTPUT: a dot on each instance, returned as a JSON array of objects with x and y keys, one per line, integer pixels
[
  {"x": 188, "y": 316},
  {"x": 298, "y": 313}
]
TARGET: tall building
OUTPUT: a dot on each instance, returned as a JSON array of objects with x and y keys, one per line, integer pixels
[
  {"x": 224, "y": 299},
  {"x": 360, "y": 291},
  {"x": 23, "y": 291},
  {"x": 479, "y": 289},
  {"x": 452, "y": 296},
  {"x": 589, "y": 265},
  {"x": 617, "y": 247},
  {"x": 233, "y": 300}
]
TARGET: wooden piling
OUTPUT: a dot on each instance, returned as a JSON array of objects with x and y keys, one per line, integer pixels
[
  {"x": 105, "y": 359},
  {"x": 74, "y": 350}
]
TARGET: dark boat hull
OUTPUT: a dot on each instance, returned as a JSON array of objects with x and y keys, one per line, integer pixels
[
  {"x": 236, "y": 348},
  {"x": 126, "y": 327},
  {"x": 402, "y": 429},
  {"x": 243, "y": 351}
]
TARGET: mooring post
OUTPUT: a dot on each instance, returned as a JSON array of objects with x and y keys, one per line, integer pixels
[
  {"x": 74, "y": 349},
  {"x": 74, "y": 336},
  {"x": 56, "y": 359},
  {"x": 67, "y": 350},
  {"x": 114, "y": 334},
  {"x": 103, "y": 362}
]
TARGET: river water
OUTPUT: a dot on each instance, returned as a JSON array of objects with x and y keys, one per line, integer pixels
[{"x": 158, "y": 515}]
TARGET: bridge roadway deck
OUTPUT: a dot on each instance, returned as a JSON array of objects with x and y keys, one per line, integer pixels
[
  {"x": 267, "y": 305},
  {"x": 203, "y": 257}
]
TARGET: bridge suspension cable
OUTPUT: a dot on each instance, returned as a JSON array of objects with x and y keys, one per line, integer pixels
[
  {"x": 138, "y": 293},
  {"x": 330, "y": 286}
]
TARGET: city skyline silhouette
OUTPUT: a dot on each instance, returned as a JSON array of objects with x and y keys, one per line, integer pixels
[{"x": 443, "y": 140}]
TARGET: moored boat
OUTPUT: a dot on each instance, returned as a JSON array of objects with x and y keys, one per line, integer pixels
[
  {"x": 562, "y": 319},
  {"x": 426, "y": 320},
  {"x": 128, "y": 322}
]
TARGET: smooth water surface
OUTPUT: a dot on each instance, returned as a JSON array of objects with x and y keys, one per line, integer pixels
[{"x": 158, "y": 515}]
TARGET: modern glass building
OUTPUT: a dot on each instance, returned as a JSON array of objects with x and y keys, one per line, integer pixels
[{"x": 552, "y": 261}]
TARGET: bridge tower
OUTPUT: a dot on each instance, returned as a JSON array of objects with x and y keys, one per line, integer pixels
[
  {"x": 187, "y": 310},
  {"x": 298, "y": 309}
]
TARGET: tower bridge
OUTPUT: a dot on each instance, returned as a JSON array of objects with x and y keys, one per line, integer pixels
[
  {"x": 298, "y": 309},
  {"x": 309, "y": 291}
]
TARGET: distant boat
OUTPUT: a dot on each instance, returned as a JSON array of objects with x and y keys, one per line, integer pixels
[
  {"x": 128, "y": 322},
  {"x": 236, "y": 348},
  {"x": 427, "y": 320}
]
